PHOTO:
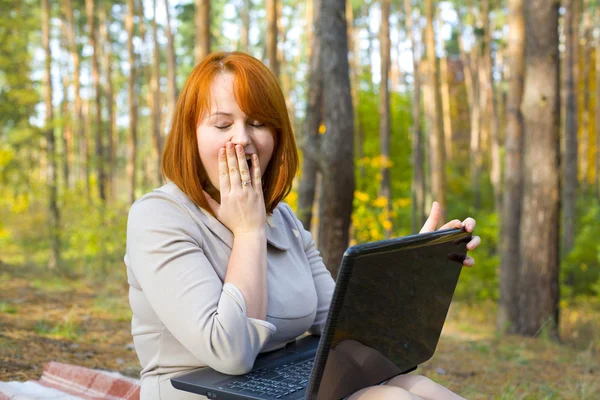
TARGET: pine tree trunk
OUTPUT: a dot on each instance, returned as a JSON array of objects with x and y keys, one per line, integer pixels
[
  {"x": 310, "y": 139},
  {"x": 67, "y": 134},
  {"x": 511, "y": 216},
  {"x": 202, "y": 22},
  {"x": 436, "y": 133},
  {"x": 384, "y": 113},
  {"x": 538, "y": 278},
  {"x": 156, "y": 101},
  {"x": 445, "y": 90},
  {"x": 133, "y": 104},
  {"x": 246, "y": 5},
  {"x": 82, "y": 169},
  {"x": 54, "y": 259},
  {"x": 172, "y": 91},
  {"x": 585, "y": 131},
  {"x": 99, "y": 145},
  {"x": 417, "y": 184},
  {"x": 337, "y": 159},
  {"x": 597, "y": 113},
  {"x": 354, "y": 60},
  {"x": 110, "y": 157},
  {"x": 496, "y": 163},
  {"x": 271, "y": 6},
  {"x": 571, "y": 128}
]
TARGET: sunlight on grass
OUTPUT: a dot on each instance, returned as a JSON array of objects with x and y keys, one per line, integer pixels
[
  {"x": 54, "y": 284},
  {"x": 69, "y": 329},
  {"x": 116, "y": 307},
  {"x": 7, "y": 308}
]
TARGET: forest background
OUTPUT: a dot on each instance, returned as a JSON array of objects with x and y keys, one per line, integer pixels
[{"x": 490, "y": 107}]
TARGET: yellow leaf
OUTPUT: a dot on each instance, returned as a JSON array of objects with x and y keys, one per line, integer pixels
[
  {"x": 322, "y": 129},
  {"x": 361, "y": 196}
]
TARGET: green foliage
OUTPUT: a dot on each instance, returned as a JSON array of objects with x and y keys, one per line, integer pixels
[{"x": 580, "y": 269}]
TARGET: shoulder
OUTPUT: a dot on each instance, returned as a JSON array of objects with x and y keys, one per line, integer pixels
[
  {"x": 165, "y": 208},
  {"x": 287, "y": 215}
]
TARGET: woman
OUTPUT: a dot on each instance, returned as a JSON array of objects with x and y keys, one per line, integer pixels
[{"x": 219, "y": 268}]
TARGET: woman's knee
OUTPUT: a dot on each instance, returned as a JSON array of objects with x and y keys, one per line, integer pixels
[{"x": 383, "y": 393}]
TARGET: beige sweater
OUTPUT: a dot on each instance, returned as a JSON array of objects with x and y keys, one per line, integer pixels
[{"x": 185, "y": 318}]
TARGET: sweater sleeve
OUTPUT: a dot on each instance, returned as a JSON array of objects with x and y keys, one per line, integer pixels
[
  {"x": 324, "y": 283},
  {"x": 209, "y": 319}
]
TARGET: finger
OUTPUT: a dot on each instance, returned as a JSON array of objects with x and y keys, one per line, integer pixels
[
  {"x": 212, "y": 203},
  {"x": 434, "y": 218},
  {"x": 455, "y": 223},
  {"x": 257, "y": 178},
  {"x": 469, "y": 224},
  {"x": 475, "y": 241},
  {"x": 469, "y": 262},
  {"x": 224, "y": 185},
  {"x": 243, "y": 164},
  {"x": 233, "y": 167}
]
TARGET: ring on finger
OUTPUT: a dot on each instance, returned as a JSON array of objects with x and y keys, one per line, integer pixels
[{"x": 244, "y": 183}]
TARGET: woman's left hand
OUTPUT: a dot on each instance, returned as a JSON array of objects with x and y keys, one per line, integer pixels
[{"x": 469, "y": 224}]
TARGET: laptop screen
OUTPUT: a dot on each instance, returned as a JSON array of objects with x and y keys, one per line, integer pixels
[{"x": 388, "y": 309}]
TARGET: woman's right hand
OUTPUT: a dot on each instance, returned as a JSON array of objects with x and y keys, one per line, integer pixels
[{"x": 242, "y": 207}]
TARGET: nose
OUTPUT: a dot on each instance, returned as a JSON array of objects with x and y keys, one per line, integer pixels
[{"x": 241, "y": 135}]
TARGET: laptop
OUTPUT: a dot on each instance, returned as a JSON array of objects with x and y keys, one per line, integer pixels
[{"x": 390, "y": 302}]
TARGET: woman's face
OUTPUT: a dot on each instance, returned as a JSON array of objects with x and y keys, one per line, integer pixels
[{"x": 226, "y": 122}]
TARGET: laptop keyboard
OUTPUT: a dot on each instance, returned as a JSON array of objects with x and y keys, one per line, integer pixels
[{"x": 272, "y": 382}]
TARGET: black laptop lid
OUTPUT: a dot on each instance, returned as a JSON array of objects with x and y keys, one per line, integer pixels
[{"x": 387, "y": 312}]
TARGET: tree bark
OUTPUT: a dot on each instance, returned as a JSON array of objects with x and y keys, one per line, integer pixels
[
  {"x": 436, "y": 132},
  {"x": 337, "y": 158},
  {"x": 384, "y": 113},
  {"x": 494, "y": 128},
  {"x": 271, "y": 6},
  {"x": 133, "y": 104},
  {"x": 447, "y": 117},
  {"x": 203, "y": 36},
  {"x": 571, "y": 125},
  {"x": 156, "y": 99},
  {"x": 310, "y": 139},
  {"x": 106, "y": 42},
  {"x": 82, "y": 164},
  {"x": 508, "y": 306},
  {"x": 246, "y": 6},
  {"x": 417, "y": 184},
  {"x": 172, "y": 91},
  {"x": 538, "y": 277},
  {"x": 54, "y": 257},
  {"x": 354, "y": 60},
  {"x": 584, "y": 146},
  {"x": 99, "y": 148}
]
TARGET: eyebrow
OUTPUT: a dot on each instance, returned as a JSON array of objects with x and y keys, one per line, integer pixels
[{"x": 221, "y": 113}]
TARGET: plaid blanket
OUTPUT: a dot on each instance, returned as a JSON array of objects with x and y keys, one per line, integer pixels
[{"x": 65, "y": 381}]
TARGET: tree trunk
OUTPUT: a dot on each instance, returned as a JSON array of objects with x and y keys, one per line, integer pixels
[
  {"x": 354, "y": 60},
  {"x": 172, "y": 91},
  {"x": 106, "y": 42},
  {"x": 597, "y": 114},
  {"x": 272, "y": 36},
  {"x": 585, "y": 131},
  {"x": 508, "y": 306},
  {"x": 310, "y": 139},
  {"x": 53, "y": 212},
  {"x": 494, "y": 128},
  {"x": 246, "y": 6},
  {"x": 538, "y": 277},
  {"x": 337, "y": 159},
  {"x": 384, "y": 114},
  {"x": 156, "y": 99},
  {"x": 90, "y": 12},
  {"x": 445, "y": 89},
  {"x": 436, "y": 132},
  {"x": 82, "y": 164},
  {"x": 202, "y": 22},
  {"x": 67, "y": 134},
  {"x": 571, "y": 128},
  {"x": 133, "y": 104},
  {"x": 417, "y": 184}
]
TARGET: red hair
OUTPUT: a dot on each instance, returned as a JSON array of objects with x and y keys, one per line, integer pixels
[{"x": 259, "y": 96}]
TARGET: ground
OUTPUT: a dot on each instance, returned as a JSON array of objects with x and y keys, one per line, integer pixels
[{"x": 44, "y": 318}]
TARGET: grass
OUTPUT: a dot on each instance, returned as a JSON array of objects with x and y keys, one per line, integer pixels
[{"x": 45, "y": 318}]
